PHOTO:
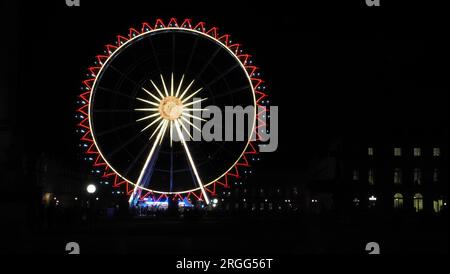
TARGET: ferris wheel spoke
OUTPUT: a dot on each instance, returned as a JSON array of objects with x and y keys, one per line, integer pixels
[
  {"x": 147, "y": 117},
  {"x": 171, "y": 162},
  {"x": 166, "y": 125},
  {"x": 208, "y": 62},
  {"x": 124, "y": 75},
  {"x": 157, "y": 89},
  {"x": 179, "y": 86},
  {"x": 109, "y": 131},
  {"x": 186, "y": 90},
  {"x": 152, "y": 95},
  {"x": 192, "y": 95},
  {"x": 194, "y": 117},
  {"x": 191, "y": 55},
  {"x": 151, "y": 124},
  {"x": 171, "y": 85},
  {"x": 171, "y": 133},
  {"x": 146, "y": 109},
  {"x": 173, "y": 56},
  {"x": 136, "y": 158},
  {"x": 155, "y": 56},
  {"x": 224, "y": 149},
  {"x": 191, "y": 162},
  {"x": 190, "y": 123},
  {"x": 123, "y": 145},
  {"x": 150, "y": 157},
  {"x": 164, "y": 86},
  {"x": 116, "y": 92},
  {"x": 195, "y": 102},
  {"x": 148, "y": 102},
  {"x": 231, "y": 92},
  {"x": 185, "y": 129},
  {"x": 112, "y": 110},
  {"x": 222, "y": 75},
  {"x": 160, "y": 125},
  {"x": 195, "y": 109}
]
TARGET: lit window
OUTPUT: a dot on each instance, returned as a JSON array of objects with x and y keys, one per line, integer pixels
[
  {"x": 355, "y": 175},
  {"x": 438, "y": 205},
  {"x": 397, "y": 152},
  {"x": 436, "y": 175},
  {"x": 417, "y": 176},
  {"x": 417, "y": 152},
  {"x": 398, "y": 201},
  {"x": 261, "y": 206},
  {"x": 371, "y": 177},
  {"x": 47, "y": 198},
  {"x": 372, "y": 201},
  {"x": 397, "y": 176},
  {"x": 370, "y": 151},
  {"x": 436, "y": 152},
  {"x": 418, "y": 202}
]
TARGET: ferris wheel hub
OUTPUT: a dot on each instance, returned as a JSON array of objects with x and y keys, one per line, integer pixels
[{"x": 171, "y": 108}]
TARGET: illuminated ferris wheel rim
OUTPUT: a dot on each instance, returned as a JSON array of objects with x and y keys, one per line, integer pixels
[{"x": 163, "y": 29}]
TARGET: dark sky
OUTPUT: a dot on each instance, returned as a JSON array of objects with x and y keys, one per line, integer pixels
[{"x": 330, "y": 69}]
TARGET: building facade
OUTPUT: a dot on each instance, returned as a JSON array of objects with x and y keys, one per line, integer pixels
[{"x": 406, "y": 173}]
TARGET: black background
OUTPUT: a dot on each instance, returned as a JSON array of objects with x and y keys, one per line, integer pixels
[{"x": 332, "y": 67}]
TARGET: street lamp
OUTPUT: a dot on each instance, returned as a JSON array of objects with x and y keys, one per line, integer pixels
[
  {"x": 91, "y": 189},
  {"x": 215, "y": 202}
]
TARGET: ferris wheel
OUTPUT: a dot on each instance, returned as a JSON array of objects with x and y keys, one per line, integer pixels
[{"x": 146, "y": 100}]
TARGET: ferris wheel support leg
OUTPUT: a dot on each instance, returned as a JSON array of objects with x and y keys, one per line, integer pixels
[
  {"x": 191, "y": 161},
  {"x": 137, "y": 188}
]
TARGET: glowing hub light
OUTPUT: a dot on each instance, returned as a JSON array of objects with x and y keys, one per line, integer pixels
[
  {"x": 171, "y": 108},
  {"x": 372, "y": 198},
  {"x": 91, "y": 189}
]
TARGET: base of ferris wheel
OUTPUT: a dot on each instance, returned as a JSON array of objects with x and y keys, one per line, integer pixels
[{"x": 149, "y": 206}]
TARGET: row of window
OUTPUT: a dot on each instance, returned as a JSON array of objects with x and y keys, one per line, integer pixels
[
  {"x": 262, "y": 192},
  {"x": 398, "y": 202},
  {"x": 398, "y": 176},
  {"x": 417, "y": 151}
]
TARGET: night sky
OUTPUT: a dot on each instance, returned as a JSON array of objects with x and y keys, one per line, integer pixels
[{"x": 332, "y": 73}]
